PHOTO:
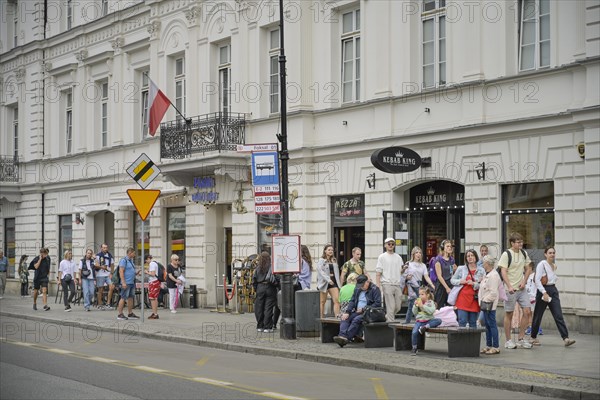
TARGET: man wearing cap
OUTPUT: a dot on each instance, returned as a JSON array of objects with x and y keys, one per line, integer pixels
[
  {"x": 364, "y": 295},
  {"x": 388, "y": 273}
]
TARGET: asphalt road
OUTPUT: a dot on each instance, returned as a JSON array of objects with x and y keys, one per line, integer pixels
[{"x": 49, "y": 361}]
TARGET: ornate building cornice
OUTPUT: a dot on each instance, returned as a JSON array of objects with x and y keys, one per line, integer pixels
[{"x": 154, "y": 29}]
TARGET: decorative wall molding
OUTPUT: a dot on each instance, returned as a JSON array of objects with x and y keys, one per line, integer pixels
[{"x": 153, "y": 29}]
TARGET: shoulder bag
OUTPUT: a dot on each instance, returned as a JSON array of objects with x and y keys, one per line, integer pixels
[{"x": 373, "y": 314}]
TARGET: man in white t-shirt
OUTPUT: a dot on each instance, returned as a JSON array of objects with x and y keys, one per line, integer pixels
[
  {"x": 153, "y": 285},
  {"x": 104, "y": 266},
  {"x": 388, "y": 274}
]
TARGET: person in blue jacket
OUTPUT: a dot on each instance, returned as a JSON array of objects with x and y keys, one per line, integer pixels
[{"x": 365, "y": 294}]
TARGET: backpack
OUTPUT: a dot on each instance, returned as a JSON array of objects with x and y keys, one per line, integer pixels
[
  {"x": 432, "y": 274},
  {"x": 499, "y": 269},
  {"x": 160, "y": 274}
]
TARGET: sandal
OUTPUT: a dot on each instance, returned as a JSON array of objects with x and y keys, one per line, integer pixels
[
  {"x": 492, "y": 351},
  {"x": 484, "y": 350}
]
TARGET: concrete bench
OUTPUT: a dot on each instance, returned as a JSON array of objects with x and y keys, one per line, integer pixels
[
  {"x": 376, "y": 334},
  {"x": 462, "y": 342}
]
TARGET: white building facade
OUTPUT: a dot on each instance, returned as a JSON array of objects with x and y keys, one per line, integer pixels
[{"x": 509, "y": 89}]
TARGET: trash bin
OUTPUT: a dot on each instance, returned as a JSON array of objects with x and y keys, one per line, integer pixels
[
  {"x": 193, "y": 295},
  {"x": 307, "y": 313}
]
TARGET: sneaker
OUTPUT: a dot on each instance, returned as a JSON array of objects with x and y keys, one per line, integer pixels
[
  {"x": 423, "y": 328},
  {"x": 173, "y": 312},
  {"x": 340, "y": 340},
  {"x": 268, "y": 331},
  {"x": 528, "y": 331},
  {"x": 524, "y": 344},
  {"x": 122, "y": 317},
  {"x": 46, "y": 307},
  {"x": 510, "y": 344},
  {"x": 358, "y": 339},
  {"x": 414, "y": 352},
  {"x": 540, "y": 332},
  {"x": 108, "y": 307},
  {"x": 87, "y": 309},
  {"x": 68, "y": 309},
  {"x": 259, "y": 330},
  {"x": 569, "y": 342},
  {"x": 35, "y": 307},
  {"x": 132, "y": 316},
  {"x": 535, "y": 342}
]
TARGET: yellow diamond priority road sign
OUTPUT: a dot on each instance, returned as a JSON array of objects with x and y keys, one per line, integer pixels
[{"x": 143, "y": 171}]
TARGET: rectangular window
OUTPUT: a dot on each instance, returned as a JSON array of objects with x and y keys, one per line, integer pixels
[
  {"x": 16, "y": 132},
  {"x": 137, "y": 229},
  {"x": 180, "y": 86},
  {"x": 434, "y": 43},
  {"x": 176, "y": 233},
  {"x": 104, "y": 7},
  {"x": 144, "y": 103},
  {"x": 528, "y": 209},
  {"x": 104, "y": 114},
  {"x": 65, "y": 240},
  {"x": 15, "y": 29},
  {"x": 534, "y": 34},
  {"x": 69, "y": 121},
  {"x": 10, "y": 245},
  {"x": 274, "y": 70},
  {"x": 225, "y": 78},
  {"x": 351, "y": 56},
  {"x": 268, "y": 225},
  {"x": 69, "y": 14}
]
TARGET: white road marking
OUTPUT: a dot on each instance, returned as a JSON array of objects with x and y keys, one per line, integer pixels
[
  {"x": 149, "y": 369},
  {"x": 102, "y": 359},
  {"x": 281, "y": 396},
  {"x": 61, "y": 351},
  {"x": 213, "y": 381}
]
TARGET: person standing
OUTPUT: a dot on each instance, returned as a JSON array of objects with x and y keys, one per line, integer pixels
[
  {"x": 88, "y": 278},
  {"x": 328, "y": 280},
  {"x": 467, "y": 301},
  {"x": 265, "y": 287},
  {"x": 388, "y": 277},
  {"x": 41, "y": 264},
  {"x": 306, "y": 272},
  {"x": 127, "y": 278},
  {"x": 414, "y": 273},
  {"x": 3, "y": 270},
  {"x": 444, "y": 268},
  {"x": 153, "y": 285},
  {"x": 24, "y": 275},
  {"x": 105, "y": 264},
  {"x": 66, "y": 278},
  {"x": 515, "y": 277},
  {"x": 173, "y": 273},
  {"x": 547, "y": 297},
  {"x": 488, "y": 293},
  {"x": 355, "y": 264}
]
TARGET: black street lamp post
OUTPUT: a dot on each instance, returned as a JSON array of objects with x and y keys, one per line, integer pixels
[{"x": 288, "y": 323}]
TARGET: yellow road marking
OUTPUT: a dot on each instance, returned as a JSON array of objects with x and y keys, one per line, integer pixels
[
  {"x": 202, "y": 361},
  {"x": 379, "y": 389}
]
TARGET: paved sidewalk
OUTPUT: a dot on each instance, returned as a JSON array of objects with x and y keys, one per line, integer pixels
[{"x": 550, "y": 370}]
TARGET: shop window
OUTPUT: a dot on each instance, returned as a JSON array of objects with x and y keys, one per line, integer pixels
[
  {"x": 10, "y": 245},
  {"x": 268, "y": 225},
  {"x": 137, "y": 229},
  {"x": 176, "y": 234},
  {"x": 528, "y": 209},
  {"x": 66, "y": 235}
]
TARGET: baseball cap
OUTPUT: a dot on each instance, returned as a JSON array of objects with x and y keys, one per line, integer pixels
[
  {"x": 361, "y": 280},
  {"x": 390, "y": 239}
]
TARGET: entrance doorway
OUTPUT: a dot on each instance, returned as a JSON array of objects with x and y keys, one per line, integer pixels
[
  {"x": 345, "y": 239},
  {"x": 348, "y": 220}
]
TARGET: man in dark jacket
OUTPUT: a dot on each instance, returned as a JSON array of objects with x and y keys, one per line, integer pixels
[{"x": 364, "y": 295}]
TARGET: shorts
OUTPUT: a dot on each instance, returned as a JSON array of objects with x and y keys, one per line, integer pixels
[
  {"x": 128, "y": 293},
  {"x": 154, "y": 289},
  {"x": 520, "y": 296},
  {"x": 101, "y": 280},
  {"x": 42, "y": 283}
]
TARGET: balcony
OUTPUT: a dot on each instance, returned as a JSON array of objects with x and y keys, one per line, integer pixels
[
  {"x": 9, "y": 169},
  {"x": 210, "y": 132}
]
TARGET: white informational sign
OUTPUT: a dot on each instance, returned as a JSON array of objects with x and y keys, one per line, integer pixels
[
  {"x": 262, "y": 189},
  {"x": 286, "y": 254},
  {"x": 268, "y": 199},
  {"x": 248, "y": 148},
  {"x": 267, "y": 209}
]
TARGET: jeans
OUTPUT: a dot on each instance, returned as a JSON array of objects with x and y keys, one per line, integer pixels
[
  {"x": 432, "y": 323},
  {"x": 88, "y": 286},
  {"x": 66, "y": 287},
  {"x": 465, "y": 317},
  {"x": 491, "y": 329},
  {"x": 555, "y": 309},
  {"x": 351, "y": 326},
  {"x": 2, "y": 282},
  {"x": 409, "y": 313}
]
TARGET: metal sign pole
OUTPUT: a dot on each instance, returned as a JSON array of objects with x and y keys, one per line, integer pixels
[{"x": 142, "y": 262}]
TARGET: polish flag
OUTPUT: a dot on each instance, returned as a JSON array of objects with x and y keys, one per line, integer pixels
[{"x": 158, "y": 104}]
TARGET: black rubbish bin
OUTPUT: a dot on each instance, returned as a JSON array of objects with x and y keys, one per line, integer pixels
[
  {"x": 307, "y": 313},
  {"x": 193, "y": 295}
]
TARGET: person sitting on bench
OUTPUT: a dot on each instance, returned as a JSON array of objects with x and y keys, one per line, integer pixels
[{"x": 364, "y": 295}]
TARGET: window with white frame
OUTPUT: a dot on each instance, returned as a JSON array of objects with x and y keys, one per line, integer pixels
[
  {"x": 274, "y": 71},
  {"x": 16, "y": 132},
  {"x": 144, "y": 103},
  {"x": 225, "y": 78},
  {"x": 69, "y": 14},
  {"x": 69, "y": 121},
  {"x": 180, "y": 86},
  {"x": 534, "y": 34},
  {"x": 104, "y": 7},
  {"x": 434, "y": 43},
  {"x": 104, "y": 113},
  {"x": 351, "y": 56},
  {"x": 15, "y": 28}
]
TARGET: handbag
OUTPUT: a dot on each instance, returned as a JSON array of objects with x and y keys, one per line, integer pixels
[
  {"x": 453, "y": 295},
  {"x": 486, "y": 305},
  {"x": 67, "y": 278},
  {"x": 373, "y": 314}
]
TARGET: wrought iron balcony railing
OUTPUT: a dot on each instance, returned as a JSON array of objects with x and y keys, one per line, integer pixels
[
  {"x": 9, "y": 169},
  {"x": 210, "y": 132}
]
